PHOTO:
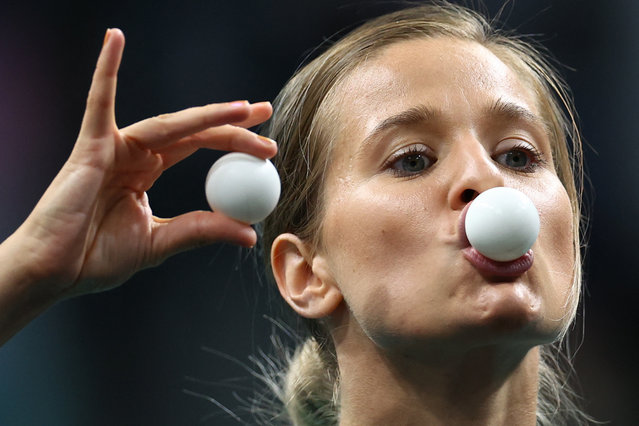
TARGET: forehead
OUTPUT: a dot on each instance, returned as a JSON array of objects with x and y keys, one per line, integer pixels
[{"x": 457, "y": 77}]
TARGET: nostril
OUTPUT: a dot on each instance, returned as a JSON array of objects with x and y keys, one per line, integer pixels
[{"x": 468, "y": 195}]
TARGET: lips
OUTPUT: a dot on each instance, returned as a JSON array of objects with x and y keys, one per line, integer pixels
[
  {"x": 489, "y": 267},
  {"x": 492, "y": 268}
]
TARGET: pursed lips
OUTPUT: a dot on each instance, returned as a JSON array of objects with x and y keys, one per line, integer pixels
[{"x": 488, "y": 267}]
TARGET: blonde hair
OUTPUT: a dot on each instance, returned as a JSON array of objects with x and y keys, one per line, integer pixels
[{"x": 303, "y": 124}]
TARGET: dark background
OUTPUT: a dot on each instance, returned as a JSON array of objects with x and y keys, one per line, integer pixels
[{"x": 126, "y": 356}]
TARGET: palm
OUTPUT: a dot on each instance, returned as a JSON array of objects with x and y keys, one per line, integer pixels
[{"x": 108, "y": 262}]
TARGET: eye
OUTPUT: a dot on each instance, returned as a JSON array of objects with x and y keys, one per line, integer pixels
[
  {"x": 523, "y": 157},
  {"x": 410, "y": 161}
]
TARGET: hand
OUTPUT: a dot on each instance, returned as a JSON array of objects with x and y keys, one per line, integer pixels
[{"x": 94, "y": 228}]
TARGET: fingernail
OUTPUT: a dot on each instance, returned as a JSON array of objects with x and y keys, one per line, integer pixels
[
  {"x": 238, "y": 104},
  {"x": 106, "y": 37},
  {"x": 266, "y": 141},
  {"x": 250, "y": 234}
]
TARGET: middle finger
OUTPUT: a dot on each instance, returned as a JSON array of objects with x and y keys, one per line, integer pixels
[{"x": 223, "y": 138}]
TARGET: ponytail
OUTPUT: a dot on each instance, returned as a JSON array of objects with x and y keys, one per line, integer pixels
[{"x": 311, "y": 387}]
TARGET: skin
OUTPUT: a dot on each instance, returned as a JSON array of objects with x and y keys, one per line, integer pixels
[
  {"x": 93, "y": 228},
  {"x": 417, "y": 328}
]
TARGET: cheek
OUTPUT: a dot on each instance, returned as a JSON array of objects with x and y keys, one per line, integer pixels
[
  {"x": 554, "y": 251},
  {"x": 367, "y": 227},
  {"x": 384, "y": 251},
  {"x": 556, "y": 233}
]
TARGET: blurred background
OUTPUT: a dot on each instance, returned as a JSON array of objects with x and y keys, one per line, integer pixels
[{"x": 138, "y": 355}]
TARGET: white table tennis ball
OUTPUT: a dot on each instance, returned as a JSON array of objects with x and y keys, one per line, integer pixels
[
  {"x": 243, "y": 187},
  {"x": 502, "y": 224}
]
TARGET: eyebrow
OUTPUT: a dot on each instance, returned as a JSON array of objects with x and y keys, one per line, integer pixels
[
  {"x": 422, "y": 114},
  {"x": 509, "y": 111},
  {"x": 415, "y": 115}
]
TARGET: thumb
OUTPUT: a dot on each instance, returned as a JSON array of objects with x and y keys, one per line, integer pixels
[{"x": 197, "y": 229}]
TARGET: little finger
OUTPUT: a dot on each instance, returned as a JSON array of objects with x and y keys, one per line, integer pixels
[{"x": 99, "y": 116}]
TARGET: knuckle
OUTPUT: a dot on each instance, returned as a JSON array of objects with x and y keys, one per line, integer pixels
[
  {"x": 97, "y": 102},
  {"x": 205, "y": 117},
  {"x": 162, "y": 126},
  {"x": 235, "y": 141},
  {"x": 239, "y": 138},
  {"x": 201, "y": 230},
  {"x": 164, "y": 117}
]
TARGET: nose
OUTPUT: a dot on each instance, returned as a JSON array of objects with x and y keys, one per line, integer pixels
[{"x": 474, "y": 172}]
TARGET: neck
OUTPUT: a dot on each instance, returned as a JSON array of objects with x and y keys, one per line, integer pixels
[{"x": 489, "y": 385}]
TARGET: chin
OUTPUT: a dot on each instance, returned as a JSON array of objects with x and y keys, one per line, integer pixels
[
  {"x": 509, "y": 306},
  {"x": 511, "y": 312}
]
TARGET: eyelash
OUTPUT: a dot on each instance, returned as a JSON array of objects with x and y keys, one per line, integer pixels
[
  {"x": 412, "y": 150},
  {"x": 535, "y": 157}
]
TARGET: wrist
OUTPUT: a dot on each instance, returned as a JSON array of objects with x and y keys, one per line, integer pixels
[{"x": 23, "y": 294}]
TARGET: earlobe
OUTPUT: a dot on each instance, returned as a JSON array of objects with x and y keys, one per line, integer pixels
[{"x": 303, "y": 278}]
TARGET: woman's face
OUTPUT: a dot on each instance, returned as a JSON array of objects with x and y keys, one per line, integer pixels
[{"x": 433, "y": 123}]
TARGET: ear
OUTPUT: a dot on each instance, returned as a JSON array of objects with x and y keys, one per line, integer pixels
[{"x": 304, "y": 279}]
